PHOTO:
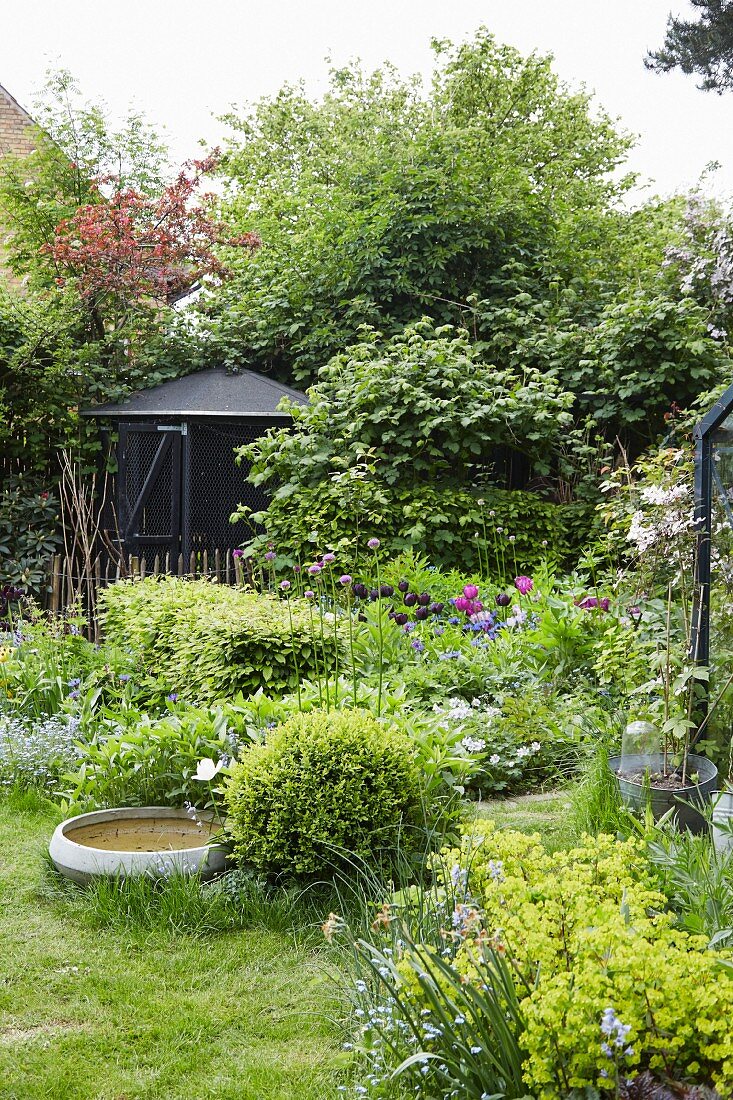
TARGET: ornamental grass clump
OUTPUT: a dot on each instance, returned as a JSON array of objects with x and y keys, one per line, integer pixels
[{"x": 325, "y": 790}]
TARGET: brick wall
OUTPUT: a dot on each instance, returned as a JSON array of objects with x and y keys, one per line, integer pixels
[{"x": 16, "y": 126}]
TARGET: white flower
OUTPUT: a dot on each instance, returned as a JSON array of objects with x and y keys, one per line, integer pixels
[
  {"x": 655, "y": 494},
  {"x": 473, "y": 744},
  {"x": 522, "y": 752},
  {"x": 495, "y": 759},
  {"x": 207, "y": 769},
  {"x": 535, "y": 746}
]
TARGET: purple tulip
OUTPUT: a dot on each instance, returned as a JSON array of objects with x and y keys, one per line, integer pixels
[
  {"x": 421, "y": 613},
  {"x": 470, "y": 591},
  {"x": 462, "y": 604},
  {"x": 423, "y": 599},
  {"x": 503, "y": 600},
  {"x": 523, "y": 585},
  {"x": 436, "y": 608},
  {"x": 404, "y": 586},
  {"x": 361, "y": 591},
  {"x": 373, "y": 594},
  {"x": 410, "y": 599},
  {"x": 386, "y": 590},
  {"x": 400, "y": 618}
]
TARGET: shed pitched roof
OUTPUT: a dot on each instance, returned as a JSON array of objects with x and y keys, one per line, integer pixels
[{"x": 212, "y": 392}]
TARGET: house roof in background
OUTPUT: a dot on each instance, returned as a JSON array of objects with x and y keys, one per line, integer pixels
[
  {"x": 14, "y": 103},
  {"x": 212, "y": 392}
]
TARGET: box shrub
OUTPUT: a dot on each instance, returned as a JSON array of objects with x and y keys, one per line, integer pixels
[
  {"x": 324, "y": 788},
  {"x": 213, "y": 641}
]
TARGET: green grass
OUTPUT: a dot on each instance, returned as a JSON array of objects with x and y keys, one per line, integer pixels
[
  {"x": 98, "y": 1010},
  {"x": 550, "y": 815}
]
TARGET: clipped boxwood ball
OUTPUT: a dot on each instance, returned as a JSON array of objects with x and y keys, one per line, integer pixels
[{"x": 320, "y": 783}]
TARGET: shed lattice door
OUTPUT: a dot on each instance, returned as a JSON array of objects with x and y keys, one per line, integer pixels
[{"x": 149, "y": 489}]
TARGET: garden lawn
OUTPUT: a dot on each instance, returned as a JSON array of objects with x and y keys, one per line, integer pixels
[
  {"x": 547, "y": 814},
  {"x": 94, "y": 1014}
]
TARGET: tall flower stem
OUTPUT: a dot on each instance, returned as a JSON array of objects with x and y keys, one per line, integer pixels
[
  {"x": 315, "y": 649},
  {"x": 351, "y": 647},
  {"x": 295, "y": 650},
  {"x": 326, "y": 673},
  {"x": 374, "y": 545},
  {"x": 335, "y": 603}
]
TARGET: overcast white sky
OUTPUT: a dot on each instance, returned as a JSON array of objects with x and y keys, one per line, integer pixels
[{"x": 184, "y": 61}]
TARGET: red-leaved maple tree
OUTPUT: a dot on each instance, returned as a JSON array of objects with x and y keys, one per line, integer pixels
[{"x": 134, "y": 248}]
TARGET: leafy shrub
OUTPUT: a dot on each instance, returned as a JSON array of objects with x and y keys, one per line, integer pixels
[
  {"x": 394, "y": 439},
  {"x": 518, "y": 742},
  {"x": 449, "y": 525},
  {"x": 152, "y": 762},
  {"x": 214, "y": 641},
  {"x": 29, "y": 534},
  {"x": 36, "y": 754},
  {"x": 607, "y": 985},
  {"x": 48, "y": 662},
  {"x": 324, "y": 788}
]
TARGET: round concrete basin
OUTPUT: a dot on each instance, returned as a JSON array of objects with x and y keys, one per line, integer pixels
[{"x": 149, "y": 840}]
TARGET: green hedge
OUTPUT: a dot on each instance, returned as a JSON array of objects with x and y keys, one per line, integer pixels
[
  {"x": 212, "y": 641},
  {"x": 325, "y": 788},
  {"x": 447, "y": 525}
]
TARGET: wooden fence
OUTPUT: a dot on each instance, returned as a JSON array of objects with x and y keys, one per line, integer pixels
[{"x": 75, "y": 582}]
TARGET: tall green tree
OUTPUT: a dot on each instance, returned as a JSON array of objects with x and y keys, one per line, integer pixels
[
  {"x": 387, "y": 200},
  {"x": 703, "y": 46}
]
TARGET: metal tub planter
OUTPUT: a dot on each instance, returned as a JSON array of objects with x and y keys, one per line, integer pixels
[
  {"x": 685, "y": 802},
  {"x": 149, "y": 840}
]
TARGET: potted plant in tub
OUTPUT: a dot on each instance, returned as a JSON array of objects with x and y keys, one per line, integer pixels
[{"x": 656, "y": 765}]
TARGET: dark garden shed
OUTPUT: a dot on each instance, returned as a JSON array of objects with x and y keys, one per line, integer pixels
[{"x": 177, "y": 480}]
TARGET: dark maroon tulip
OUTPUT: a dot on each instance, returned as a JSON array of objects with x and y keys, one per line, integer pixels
[
  {"x": 360, "y": 590},
  {"x": 361, "y": 617},
  {"x": 503, "y": 599},
  {"x": 410, "y": 599},
  {"x": 400, "y": 618},
  {"x": 421, "y": 613},
  {"x": 423, "y": 599},
  {"x": 373, "y": 593},
  {"x": 386, "y": 590},
  {"x": 436, "y": 608},
  {"x": 404, "y": 586}
]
